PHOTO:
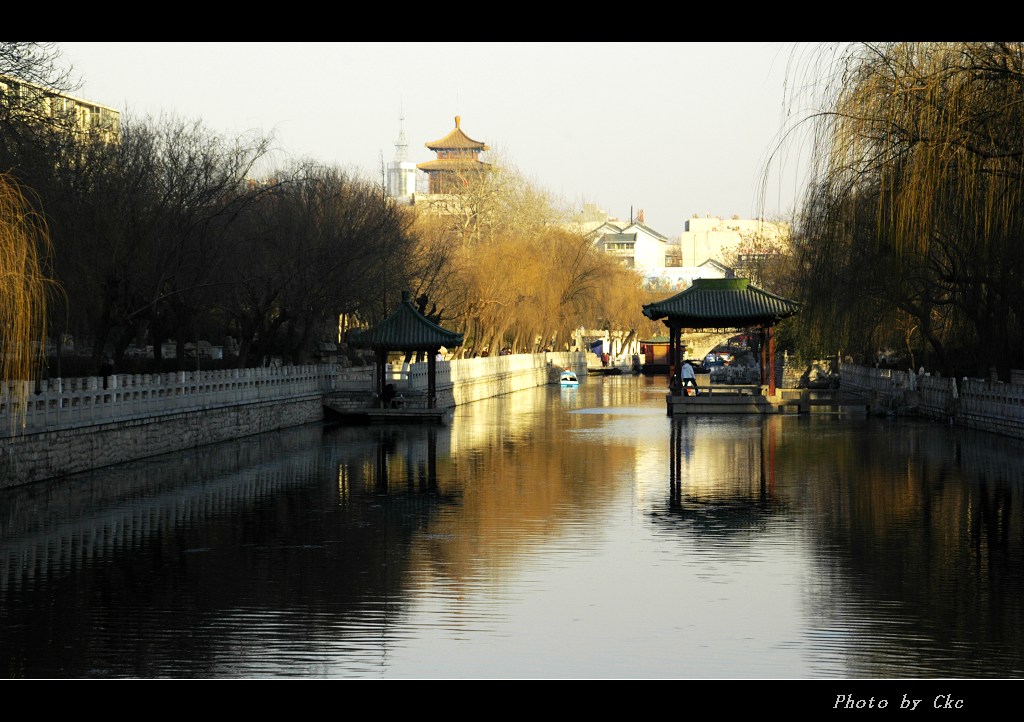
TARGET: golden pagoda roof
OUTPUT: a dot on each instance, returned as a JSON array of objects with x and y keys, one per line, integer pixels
[
  {"x": 456, "y": 139},
  {"x": 452, "y": 164}
]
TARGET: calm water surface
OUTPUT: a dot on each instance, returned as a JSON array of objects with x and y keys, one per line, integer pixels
[{"x": 550, "y": 533}]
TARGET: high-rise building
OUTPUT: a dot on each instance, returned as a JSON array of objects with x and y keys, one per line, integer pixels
[
  {"x": 729, "y": 240},
  {"x": 401, "y": 172},
  {"x": 28, "y": 102}
]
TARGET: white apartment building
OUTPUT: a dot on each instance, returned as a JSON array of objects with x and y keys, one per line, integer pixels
[
  {"x": 83, "y": 115},
  {"x": 635, "y": 244},
  {"x": 728, "y": 240}
]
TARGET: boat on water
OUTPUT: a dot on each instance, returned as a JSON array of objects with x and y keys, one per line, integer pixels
[{"x": 568, "y": 378}]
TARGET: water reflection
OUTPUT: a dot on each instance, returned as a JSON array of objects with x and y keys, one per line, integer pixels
[
  {"x": 731, "y": 481},
  {"x": 548, "y": 533},
  {"x": 920, "y": 543},
  {"x": 914, "y": 561}
]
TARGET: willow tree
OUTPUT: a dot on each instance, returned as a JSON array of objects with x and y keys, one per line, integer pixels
[
  {"x": 482, "y": 257},
  {"x": 916, "y": 204},
  {"x": 24, "y": 249},
  {"x": 501, "y": 261}
]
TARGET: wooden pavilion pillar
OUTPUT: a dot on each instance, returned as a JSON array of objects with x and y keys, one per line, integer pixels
[
  {"x": 763, "y": 350},
  {"x": 674, "y": 358},
  {"x": 382, "y": 358},
  {"x": 771, "y": 361},
  {"x": 431, "y": 378}
]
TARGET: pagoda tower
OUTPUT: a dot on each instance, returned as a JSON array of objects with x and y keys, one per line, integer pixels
[{"x": 458, "y": 159}]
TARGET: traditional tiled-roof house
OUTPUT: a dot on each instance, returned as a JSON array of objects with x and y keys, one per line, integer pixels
[{"x": 636, "y": 245}]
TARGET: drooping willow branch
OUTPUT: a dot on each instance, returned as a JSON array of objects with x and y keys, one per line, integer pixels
[{"x": 24, "y": 249}]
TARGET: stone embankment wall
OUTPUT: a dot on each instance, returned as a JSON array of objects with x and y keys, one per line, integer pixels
[
  {"x": 73, "y": 425},
  {"x": 460, "y": 381},
  {"x": 975, "y": 403},
  {"x": 64, "y": 523},
  {"x": 482, "y": 378}
]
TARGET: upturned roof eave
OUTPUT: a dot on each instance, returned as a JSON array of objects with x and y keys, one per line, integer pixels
[
  {"x": 736, "y": 307},
  {"x": 684, "y": 321},
  {"x": 406, "y": 329},
  {"x": 444, "y": 164},
  {"x": 657, "y": 312},
  {"x": 456, "y": 140}
]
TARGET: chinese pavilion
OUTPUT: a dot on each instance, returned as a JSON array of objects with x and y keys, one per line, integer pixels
[
  {"x": 406, "y": 329},
  {"x": 458, "y": 157},
  {"x": 721, "y": 303}
]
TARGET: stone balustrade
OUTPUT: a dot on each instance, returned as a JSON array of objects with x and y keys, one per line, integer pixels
[
  {"x": 976, "y": 403},
  {"x": 69, "y": 425},
  {"x": 993, "y": 406},
  {"x": 72, "y": 403}
]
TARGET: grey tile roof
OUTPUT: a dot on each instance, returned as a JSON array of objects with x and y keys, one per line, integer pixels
[
  {"x": 722, "y": 303},
  {"x": 649, "y": 231}
]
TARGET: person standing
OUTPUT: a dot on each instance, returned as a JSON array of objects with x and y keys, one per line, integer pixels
[{"x": 689, "y": 378}]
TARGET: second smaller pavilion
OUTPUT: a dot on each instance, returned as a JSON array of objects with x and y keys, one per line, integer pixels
[{"x": 405, "y": 330}]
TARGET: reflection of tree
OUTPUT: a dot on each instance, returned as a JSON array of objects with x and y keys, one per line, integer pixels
[
  {"x": 928, "y": 535},
  {"x": 920, "y": 530}
]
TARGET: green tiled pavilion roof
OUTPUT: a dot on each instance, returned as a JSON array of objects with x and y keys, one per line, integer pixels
[
  {"x": 406, "y": 329},
  {"x": 722, "y": 303}
]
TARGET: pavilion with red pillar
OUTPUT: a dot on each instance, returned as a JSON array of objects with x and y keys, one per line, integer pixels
[{"x": 722, "y": 303}]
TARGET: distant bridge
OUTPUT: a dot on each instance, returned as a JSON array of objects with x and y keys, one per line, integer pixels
[{"x": 700, "y": 343}]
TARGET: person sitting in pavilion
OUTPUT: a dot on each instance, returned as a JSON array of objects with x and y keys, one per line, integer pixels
[{"x": 387, "y": 396}]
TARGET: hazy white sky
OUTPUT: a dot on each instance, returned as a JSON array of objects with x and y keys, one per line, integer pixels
[{"x": 670, "y": 128}]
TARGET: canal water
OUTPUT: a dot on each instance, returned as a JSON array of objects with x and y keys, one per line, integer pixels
[{"x": 549, "y": 533}]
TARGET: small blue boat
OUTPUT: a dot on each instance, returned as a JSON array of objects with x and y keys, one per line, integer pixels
[{"x": 568, "y": 378}]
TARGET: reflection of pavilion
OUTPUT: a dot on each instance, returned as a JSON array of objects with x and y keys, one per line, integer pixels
[
  {"x": 390, "y": 459},
  {"x": 722, "y": 474},
  {"x": 418, "y": 470}
]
